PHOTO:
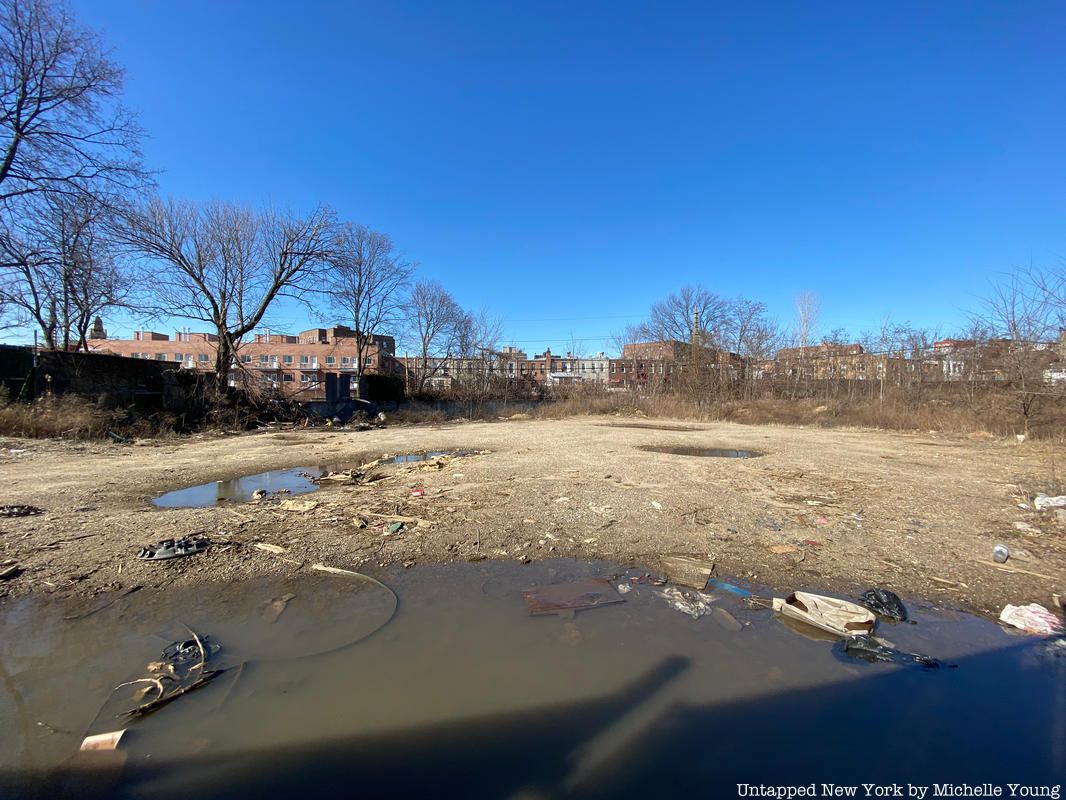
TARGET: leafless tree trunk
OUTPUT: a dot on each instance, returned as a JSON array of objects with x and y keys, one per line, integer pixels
[
  {"x": 672, "y": 319},
  {"x": 225, "y": 265},
  {"x": 1018, "y": 311},
  {"x": 365, "y": 281},
  {"x": 433, "y": 319}
]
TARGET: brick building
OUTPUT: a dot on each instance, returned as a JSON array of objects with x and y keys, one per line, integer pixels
[{"x": 294, "y": 365}]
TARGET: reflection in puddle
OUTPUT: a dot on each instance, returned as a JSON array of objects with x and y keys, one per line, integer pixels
[
  {"x": 299, "y": 480},
  {"x": 488, "y": 701},
  {"x": 700, "y": 452}
]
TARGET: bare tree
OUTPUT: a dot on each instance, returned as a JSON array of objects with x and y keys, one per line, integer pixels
[
  {"x": 629, "y": 334},
  {"x": 674, "y": 317},
  {"x": 62, "y": 128},
  {"x": 61, "y": 268},
  {"x": 434, "y": 318},
  {"x": 365, "y": 281},
  {"x": 1017, "y": 309},
  {"x": 225, "y": 265},
  {"x": 807, "y": 313}
]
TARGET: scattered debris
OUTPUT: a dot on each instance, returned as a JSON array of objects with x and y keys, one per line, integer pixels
[
  {"x": 557, "y": 597},
  {"x": 872, "y": 649},
  {"x": 885, "y": 604},
  {"x": 276, "y": 607},
  {"x": 302, "y": 506},
  {"x": 102, "y": 741},
  {"x": 826, "y": 613},
  {"x": 726, "y": 620},
  {"x": 687, "y": 570},
  {"x": 686, "y": 601},
  {"x": 20, "y": 511},
  {"x": 1042, "y": 502},
  {"x": 180, "y": 670},
  {"x": 174, "y": 548},
  {"x": 781, "y": 549},
  {"x": 729, "y": 587},
  {"x": 1033, "y": 618},
  {"x": 270, "y": 548}
]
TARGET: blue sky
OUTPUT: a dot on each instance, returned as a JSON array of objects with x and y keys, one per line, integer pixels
[{"x": 565, "y": 165}]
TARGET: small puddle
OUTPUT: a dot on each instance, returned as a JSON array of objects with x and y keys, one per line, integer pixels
[
  {"x": 298, "y": 480},
  {"x": 700, "y": 452},
  {"x": 650, "y": 427}
]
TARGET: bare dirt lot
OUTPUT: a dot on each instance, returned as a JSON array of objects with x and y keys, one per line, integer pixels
[{"x": 830, "y": 510}]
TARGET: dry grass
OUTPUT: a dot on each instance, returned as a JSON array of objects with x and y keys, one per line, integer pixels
[
  {"x": 71, "y": 417},
  {"x": 994, "y": 416}
]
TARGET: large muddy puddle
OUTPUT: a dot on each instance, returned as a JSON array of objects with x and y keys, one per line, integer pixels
[
  {"x": 456, "y": 691},
  {"x": 700, "y": 452},
  {"x": 298, "y": 480}
]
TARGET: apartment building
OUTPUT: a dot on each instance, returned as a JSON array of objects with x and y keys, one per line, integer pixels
[{"x": 294, "y": 365}]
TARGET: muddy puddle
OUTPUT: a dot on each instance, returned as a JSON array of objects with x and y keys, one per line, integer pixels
[
  {"x": 700, "y": 452},
  {"x": 298, "y": 480},
  {"x": 652, "y": 427},
  {"x": 458, "y": 691}
]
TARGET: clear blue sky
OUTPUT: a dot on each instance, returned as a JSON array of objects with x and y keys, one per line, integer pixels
[{"x": 564, "y": 165}]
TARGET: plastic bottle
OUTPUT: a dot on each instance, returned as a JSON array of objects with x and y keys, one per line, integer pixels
[{"x": 1000, "y": 553}]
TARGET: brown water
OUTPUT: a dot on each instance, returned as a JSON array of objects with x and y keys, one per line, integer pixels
[
  {"x": 461, "y": 693},
  {"x": 700, "y": 452},
  {"x": 298, "y": 480}
]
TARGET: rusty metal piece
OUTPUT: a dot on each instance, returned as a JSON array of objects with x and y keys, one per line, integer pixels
[{"x": 558, "y": 597}]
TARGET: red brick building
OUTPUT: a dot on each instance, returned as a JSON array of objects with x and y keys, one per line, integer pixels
[{"x": 294, "y": 365}]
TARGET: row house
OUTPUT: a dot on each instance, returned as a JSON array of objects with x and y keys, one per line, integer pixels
[{"x": 296, "y": 366}]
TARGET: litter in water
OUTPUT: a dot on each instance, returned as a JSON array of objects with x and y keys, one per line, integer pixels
[
  {"x": 686, "y": 601},
  {"x": 1033, "y": 618},
  {"x": 102, "y": 741},
  {"x": 885, "y": 604},
  {"x": 556, "y": 597},
  {"x": 871, "y": 649},
  {"x": 180, "y": 670},
  {"x": 829, "y": 614},
  {"x": 729, "y": 587},
  {"x": 687, "y": 570}
]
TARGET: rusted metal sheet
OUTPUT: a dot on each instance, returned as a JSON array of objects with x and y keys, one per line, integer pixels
[{"x": 556, "y": 597}]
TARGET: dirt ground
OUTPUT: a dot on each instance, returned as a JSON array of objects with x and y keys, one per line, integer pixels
[{"x": 845, "y": 509}]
